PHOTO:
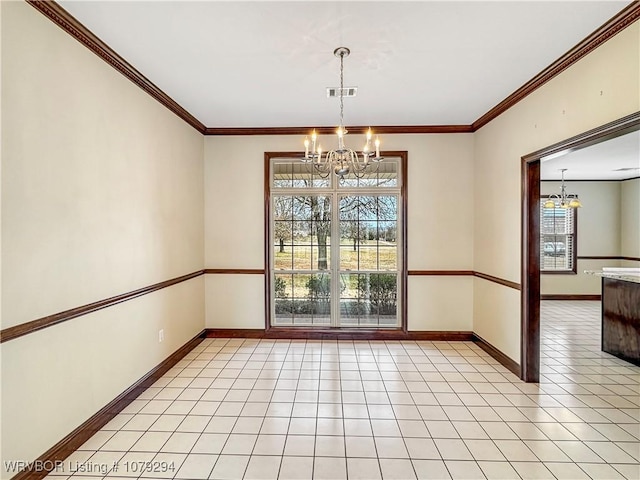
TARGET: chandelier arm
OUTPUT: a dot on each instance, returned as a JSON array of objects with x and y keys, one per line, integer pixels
[
  {"x": 358, "y": 164},
  {"x": 323, "y": 169},
  {"x": 322, "y": 165},
  {"x": 360, "y": 167}
]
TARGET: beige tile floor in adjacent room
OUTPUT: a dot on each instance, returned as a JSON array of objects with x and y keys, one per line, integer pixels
[{"x": 264, "y": 409}]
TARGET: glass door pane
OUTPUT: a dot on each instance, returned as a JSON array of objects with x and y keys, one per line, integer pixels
[
  {"x": 301, "y": 259},
  {"x": 368, "y": 261}
]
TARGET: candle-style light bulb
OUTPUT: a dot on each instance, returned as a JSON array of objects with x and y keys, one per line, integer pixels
[
  {"x": 369, "y": 134},
  {"x": 306, "y": 147},
  {"x": 377, "y": 147},
  {"x": 319, "y": 153}
]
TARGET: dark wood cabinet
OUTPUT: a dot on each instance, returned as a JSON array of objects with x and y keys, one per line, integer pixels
[{"x": 621, "y": 318}]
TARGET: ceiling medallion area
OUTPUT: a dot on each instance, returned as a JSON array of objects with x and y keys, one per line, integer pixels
[{"x": 342, "y": 160}]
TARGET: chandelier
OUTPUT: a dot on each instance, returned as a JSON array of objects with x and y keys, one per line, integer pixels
[
  {"x": 343, "y": 160},
  {"x": 563, "y": 200}
]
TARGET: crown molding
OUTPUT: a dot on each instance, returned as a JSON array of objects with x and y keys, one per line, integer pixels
[
  {"x": 593, "y": 180},
  {"x": 58, "y": 15},
  {"x": 613, "y": 26},
  {"x": 389, "y": 129},
  {"x": 73, "y": 27}
]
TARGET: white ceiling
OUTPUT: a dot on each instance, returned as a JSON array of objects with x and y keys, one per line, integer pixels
[
  {"x": 264, "y": 63},
  {"x": 601, "y": 161}
]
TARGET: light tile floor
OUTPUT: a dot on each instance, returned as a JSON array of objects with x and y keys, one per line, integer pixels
[{"x": 264, "y": 409}]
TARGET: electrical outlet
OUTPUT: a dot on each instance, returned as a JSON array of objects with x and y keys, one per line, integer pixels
[{"x": 160, "y": 335}]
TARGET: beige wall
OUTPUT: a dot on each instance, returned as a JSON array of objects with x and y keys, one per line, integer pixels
[
  {"x": 599, "y": 88},
  {"x": 101, "y": 194},
  {"x": 440, "y": 173},
  {"x": 599, "y": 231},
  {"x": 630, "y": 218}
]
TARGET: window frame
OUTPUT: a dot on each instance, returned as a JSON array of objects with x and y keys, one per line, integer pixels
[
  {"x": 402, "y": 248},
  {"x": 574, "y": 253}
]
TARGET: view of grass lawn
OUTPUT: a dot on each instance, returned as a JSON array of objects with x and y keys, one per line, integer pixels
[{"x": 370, "y": 255}]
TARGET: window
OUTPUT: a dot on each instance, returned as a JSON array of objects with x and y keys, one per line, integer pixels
[
  {"x": 557, "y": 239},
  {"x": 335, "y": 246}
]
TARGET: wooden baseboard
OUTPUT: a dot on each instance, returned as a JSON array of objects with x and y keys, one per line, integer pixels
[
  {"x": 560, "y": 296},
  {"x": 335, "y": 334},
  {"x": 84, "y": 432},
  {"x": 282, "y": 333},
  {"x": 505, "y": 361}
]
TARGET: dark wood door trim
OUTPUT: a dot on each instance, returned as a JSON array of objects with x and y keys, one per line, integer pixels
[
  {"x": 530, "y": 273},
  {"x": 530, "y": 248},
  {"x": 17, "y": 331}
]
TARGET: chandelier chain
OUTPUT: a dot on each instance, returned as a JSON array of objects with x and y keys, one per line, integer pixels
[{"x": 342, "y": 89}]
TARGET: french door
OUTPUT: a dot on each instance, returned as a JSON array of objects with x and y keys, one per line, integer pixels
[{"x": 335, "y": 247}]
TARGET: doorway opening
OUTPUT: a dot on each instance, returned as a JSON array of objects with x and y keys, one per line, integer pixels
[{"x": 531, "y": 224}]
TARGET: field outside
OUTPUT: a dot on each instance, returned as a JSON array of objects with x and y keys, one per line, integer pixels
[{"x": 367, "y": 254}]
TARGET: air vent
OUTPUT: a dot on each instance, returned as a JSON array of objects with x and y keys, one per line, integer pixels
[{"x": 334, "y": 92}]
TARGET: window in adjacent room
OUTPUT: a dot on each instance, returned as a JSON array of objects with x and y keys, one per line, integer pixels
[{"x": 557, "y": 239}]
